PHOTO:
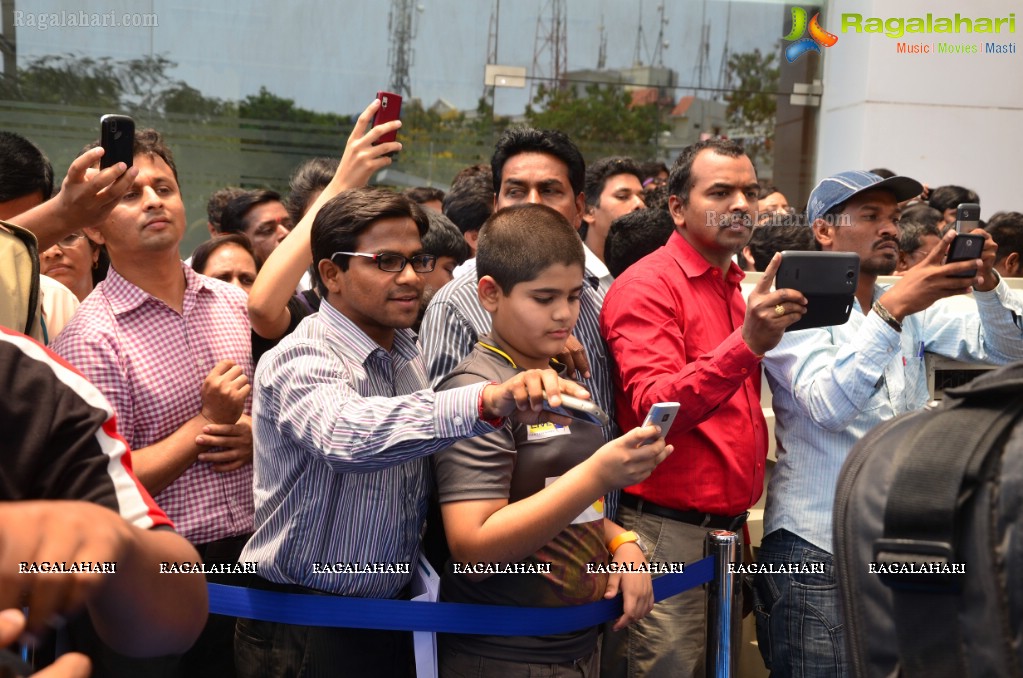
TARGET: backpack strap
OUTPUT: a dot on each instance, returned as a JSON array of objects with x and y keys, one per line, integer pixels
[{"x": 938, "y": 468}]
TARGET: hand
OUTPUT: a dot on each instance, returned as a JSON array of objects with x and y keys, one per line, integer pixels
[
  {"x": 930, "y": 280},
  {"x": 235, "y": 441},
  {"x": 764, "y": 326},
  {"x": 224, "y": 392},
  {"x": 88, "y": 194},
  {"x": 986, "y": 279},
  {"x": 522, "y": 396},
  {"x": 70, "y": 665},
  {"x": 636, "y": 587},
  {"x": 573, "y": 356},
  {"x": 361, "y": 158},
  {"x": 631, "y": 458},
  {"x": 57, "y": 531}
]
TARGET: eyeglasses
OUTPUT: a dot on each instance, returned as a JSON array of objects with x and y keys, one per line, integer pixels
[
  {"x": 69, "y": 240},
  {"x": 395, "y": 263}
]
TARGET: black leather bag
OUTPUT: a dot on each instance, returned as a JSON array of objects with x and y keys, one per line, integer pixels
[{"x": 928, "y": 524}]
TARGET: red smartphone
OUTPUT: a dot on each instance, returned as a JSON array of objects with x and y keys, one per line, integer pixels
[{"x": 390, "y": 109}]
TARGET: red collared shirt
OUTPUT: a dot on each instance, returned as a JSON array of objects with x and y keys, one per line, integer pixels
[{"x": 674, "y": 330}]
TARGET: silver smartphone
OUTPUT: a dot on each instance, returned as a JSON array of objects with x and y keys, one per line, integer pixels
[
  {"x": 580, "y": 410},
  {"x": 663, "y": 415}
]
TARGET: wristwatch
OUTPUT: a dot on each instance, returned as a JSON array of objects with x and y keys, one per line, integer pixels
[{"x": 625, "y": 538}]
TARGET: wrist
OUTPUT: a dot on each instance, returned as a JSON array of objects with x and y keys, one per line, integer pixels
[
  {"x": 487, "y": 410},
  {"x": 889, "y": 312},
  {"x": 993, "y": 277}
]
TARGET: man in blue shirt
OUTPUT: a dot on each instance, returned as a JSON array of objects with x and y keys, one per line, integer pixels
[{"x": 831, "y": 385}]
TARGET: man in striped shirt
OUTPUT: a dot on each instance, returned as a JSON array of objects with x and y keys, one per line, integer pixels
[{"x": 344, "y": 422}]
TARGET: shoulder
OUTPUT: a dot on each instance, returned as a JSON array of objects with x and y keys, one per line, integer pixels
[{"x": 474, "y": 368}]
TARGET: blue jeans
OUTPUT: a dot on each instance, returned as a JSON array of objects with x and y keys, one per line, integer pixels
[{"x": 800, "y": 629}]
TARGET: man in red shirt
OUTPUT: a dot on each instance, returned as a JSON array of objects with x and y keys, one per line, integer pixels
[{"x": 678, "y": 330}]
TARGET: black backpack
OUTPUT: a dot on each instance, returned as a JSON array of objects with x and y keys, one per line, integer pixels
[{"x": 928, "y": 527}]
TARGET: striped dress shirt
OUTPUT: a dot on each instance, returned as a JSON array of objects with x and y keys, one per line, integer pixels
[
  {"x": 342, "y": 431},
  {"x": 832, "y": 385},
  {"x": 150, "y": 362}
]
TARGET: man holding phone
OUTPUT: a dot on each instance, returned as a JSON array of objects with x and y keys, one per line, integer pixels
[
  {"x": 678, "y": 330},
  {"x": 831, "y": 385}
]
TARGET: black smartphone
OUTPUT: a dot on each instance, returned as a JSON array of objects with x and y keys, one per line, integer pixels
[
  {"x": 580, "y": 410},
  {"x": 117, "y": 137},
  {"x": 966, "y": 246},
  {"x": 390, "y": 109},
  {"x": 827, "y": 280}
]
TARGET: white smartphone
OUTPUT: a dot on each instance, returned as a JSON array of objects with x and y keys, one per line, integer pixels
[
  {"x": 580, "y": 410},
  {"x": 662, "y": 414}
]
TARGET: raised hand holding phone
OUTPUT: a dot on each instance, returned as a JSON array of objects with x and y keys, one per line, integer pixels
[{"x": 966, "y": 245}]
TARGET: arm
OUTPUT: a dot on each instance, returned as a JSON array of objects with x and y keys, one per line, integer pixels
[
  {"x": 636, "y": 587},
  {"x": 282, "y": 271},
  {"x": 306, "y": 395},
  {"x": 86, "y": 198},
  {"x": 494, "y": 530},
  {"x": 136, "y": 610}
]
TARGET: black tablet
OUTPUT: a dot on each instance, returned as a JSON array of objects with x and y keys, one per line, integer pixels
[{"x": 827, "y": 280}]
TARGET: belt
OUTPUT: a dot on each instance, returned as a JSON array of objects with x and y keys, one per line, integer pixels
[{"x": 698, "y": 518}]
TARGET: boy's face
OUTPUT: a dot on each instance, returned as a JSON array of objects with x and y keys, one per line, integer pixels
[{"x": 533, "y": 322}]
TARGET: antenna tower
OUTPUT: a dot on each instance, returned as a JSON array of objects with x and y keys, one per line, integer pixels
[{"x": 550, "y": 45}]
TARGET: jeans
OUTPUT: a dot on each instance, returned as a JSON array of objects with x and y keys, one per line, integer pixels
[{"x": 800, "y": 628}]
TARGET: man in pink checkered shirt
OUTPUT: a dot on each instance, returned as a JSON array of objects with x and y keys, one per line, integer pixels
[{"x": 171, "y": 350}]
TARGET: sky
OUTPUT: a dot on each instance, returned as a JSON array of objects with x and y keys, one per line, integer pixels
[{"x": 334, "y": 56}]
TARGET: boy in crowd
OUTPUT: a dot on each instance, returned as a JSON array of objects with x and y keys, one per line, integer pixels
[{"x": 527, "y": 494}]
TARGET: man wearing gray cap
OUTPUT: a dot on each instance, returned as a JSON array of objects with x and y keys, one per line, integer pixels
[{"x": 831, "y": 385}]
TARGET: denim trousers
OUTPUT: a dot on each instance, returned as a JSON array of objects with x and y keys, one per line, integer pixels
[{"x": 800, "y": 628}]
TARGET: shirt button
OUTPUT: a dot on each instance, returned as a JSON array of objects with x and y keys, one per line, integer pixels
[
  {"x": 458, "y": 420},
  {"x": 744, "y": 371}
]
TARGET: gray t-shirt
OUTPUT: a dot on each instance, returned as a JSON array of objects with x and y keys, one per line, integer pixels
[{"x": 515, "y": 462}]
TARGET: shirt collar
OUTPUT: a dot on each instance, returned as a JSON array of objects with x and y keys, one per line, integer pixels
[
  {"x": 594, "y": 266},
  {"x": 125, "y": 296},
  {"x": 692, "y": 262},
  {"x": 356, "y": 344}
]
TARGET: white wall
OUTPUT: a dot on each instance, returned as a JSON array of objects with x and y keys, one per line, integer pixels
[{"x": 940, "y": 118}]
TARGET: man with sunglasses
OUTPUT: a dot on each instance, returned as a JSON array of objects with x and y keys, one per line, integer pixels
[{"x": 344, "y": 424}]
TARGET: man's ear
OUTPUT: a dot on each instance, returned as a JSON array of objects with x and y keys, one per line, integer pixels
[
  {"x": 580, "y": 206},
  {"x": 330, "y": 274},
  {"x": 213, "y": 231},
  {"x": 824, "y": 232},
  {"x": 1010, "y": 265},
  {"x": 675, "y": 209},
  {"x": 472, "y": 239},
  {"x": 489, "y": 293},
  {"x": 94, "y": 234},
  {"x": 588, "y": 214}
]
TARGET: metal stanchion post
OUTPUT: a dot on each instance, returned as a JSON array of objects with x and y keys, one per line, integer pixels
[{"x": 723, "y": 545}]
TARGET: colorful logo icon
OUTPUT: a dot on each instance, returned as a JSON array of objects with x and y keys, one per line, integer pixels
[{"x": 818, "y": 36}]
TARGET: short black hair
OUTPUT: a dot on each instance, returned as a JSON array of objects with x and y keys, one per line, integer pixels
[
  {"x": 201, "y": 254},
  {"x": 949, "y": 197},
  {"x": 232, "y": 219},
  {"x": 767, "y": 241},
  {"x": 470, "y": 201},
  {"x": 150, "y": 143},
  {"x": 343, "y": 218},
  {"x": 634, "y": 235},
  {"x": 423, "y": 194},
  {"x": 444, "y": 239},
  {"x": 602, "y": 169},
  {"x": 516, "y": 140},
  {"x": 1006, "y": 229},
  {"x": 24, "y": 168},
  {"x": 310, "y": 177},
  {"x": 218, "y": 201},
  {"x": 681, "y": 181},
  {"x": 519, "y": 242}
]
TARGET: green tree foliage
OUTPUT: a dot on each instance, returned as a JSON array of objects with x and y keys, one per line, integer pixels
[
  {"x": 605, "y": 116},
  {"x": 753, "y": 100}
]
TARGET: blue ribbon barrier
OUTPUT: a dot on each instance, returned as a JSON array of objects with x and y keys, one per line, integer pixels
[{"x": 410, "y": 615}]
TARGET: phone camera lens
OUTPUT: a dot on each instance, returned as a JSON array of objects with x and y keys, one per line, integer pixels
[{"x": 849, "y": 275}]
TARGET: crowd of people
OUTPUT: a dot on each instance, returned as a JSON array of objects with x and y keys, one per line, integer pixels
[{"x": 346, "y": 376}]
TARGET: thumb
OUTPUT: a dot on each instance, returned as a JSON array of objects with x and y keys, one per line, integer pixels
[{"x": 613, "y": 581}]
